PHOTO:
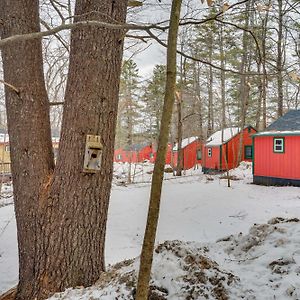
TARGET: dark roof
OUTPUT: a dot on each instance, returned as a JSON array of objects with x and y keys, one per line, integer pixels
[
  {"x": 136, "y": 147},
  {"x": 290, "y": 121}
]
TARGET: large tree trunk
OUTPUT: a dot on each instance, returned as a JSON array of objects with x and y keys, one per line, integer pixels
[
  {"x": 61, "y": 216},
  {"x": 29, "y": 129}
]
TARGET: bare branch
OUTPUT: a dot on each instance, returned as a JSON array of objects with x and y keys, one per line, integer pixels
[
  {"x": 55, "y": 30},
  {"x": 56, "y": 103},
  {"x": 63, "y": 42},
  {"x": 10, "y": 86}
]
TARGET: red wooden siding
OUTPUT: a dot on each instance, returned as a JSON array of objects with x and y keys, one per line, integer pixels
[
  {"x": 146, "y": 153},
  {"x": 168, "y": 155},
  {"x": 229, "y": 150},
  {"x": 278, "y": 165},
  {"x": 121, "y": 155},
  {"x": 189, "y": 155},
  {"x": 212, "y": 162}
]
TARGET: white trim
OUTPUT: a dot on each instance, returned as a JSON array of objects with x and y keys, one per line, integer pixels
[{"x": 280, "y": 145}]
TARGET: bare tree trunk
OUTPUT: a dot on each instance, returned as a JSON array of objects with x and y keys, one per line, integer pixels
[
  {"x": 199, "y": 98},
  {"x": 179, "y": 135},
  {"x": 61, "y": 214},
  {"x": 210, "y": 121},
  {"x": 154, "y": 204},
  {"x": 262, "y": 105},
  {"x": 244, "y": 84},
  {"x": 223, "y": 98},
  {"x": 210, "y": 125},
  {"x": 223, "y": 79},
  {"x": 279, "y": 60}
]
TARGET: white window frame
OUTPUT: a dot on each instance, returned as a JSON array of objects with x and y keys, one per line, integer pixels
[
  {"x": 7, "y": 148},
  {"x": 209, "y": 152},
  {"x": 275, "y": 145},
  {"x": 119, "y": 157}
]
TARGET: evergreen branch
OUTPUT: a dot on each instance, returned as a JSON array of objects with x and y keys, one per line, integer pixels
[{"x": 246, "y": 30}]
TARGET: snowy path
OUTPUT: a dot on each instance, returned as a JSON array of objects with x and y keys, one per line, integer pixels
[{"x": 193, "y": 209}]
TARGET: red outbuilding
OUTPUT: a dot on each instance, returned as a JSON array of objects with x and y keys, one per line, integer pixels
[
  {"x": 220, "y": 153},
  {"x": 277, "y": 152},
  {"x": 168, "y": 155},
  {"x": 192, "y": 153},
  {"x": 134, "y": 154}
]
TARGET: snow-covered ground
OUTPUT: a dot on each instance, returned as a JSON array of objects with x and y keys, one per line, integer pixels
[{"x": 200, "y": 209}]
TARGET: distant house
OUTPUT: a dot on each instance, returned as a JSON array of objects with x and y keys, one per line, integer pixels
[
  {"x": 192, "y": 153},
  {"x": 120, "y": 155},
  {"x": 4, "y": 154},
  {"x": 220, "y": 152},
  {"x": 277, "y": 152},
  {"x": 5, "y": 162}
]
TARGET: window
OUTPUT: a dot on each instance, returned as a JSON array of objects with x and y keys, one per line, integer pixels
[
  {"x": 7, "y": 148},
  {"x": 278, "y": 145},
  {"x": 199, "y": 154},
  {"x": 248, "y": 152},
  {"x": 209, "y": 152},
  {"x": 119, "y": 157},
  {"x": 151, "y": 155}
]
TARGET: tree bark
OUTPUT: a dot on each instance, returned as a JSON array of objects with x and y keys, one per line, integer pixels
[
  {"x": 279, "y": 60},
  {"x": 196, "y": 75},
  {"x": 262, "y": 105},
  {"x": 244, "y": 84},
  {"x": 155, "y": 196},
  {"x": 180, "y": 165},
  {"x": 28, "y": 127},
  {"x": 61, "y": 214}
]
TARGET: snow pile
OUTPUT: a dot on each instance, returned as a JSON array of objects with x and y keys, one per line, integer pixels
[
  {"x": 242, "y": 172},
  {"x": 6, "y": 195},
  {"x": 267, "y": 259},
  {"x": 263, "y": 264},
  {"x": 180, "y": 271},
  {"x": 216, "y": 138}
]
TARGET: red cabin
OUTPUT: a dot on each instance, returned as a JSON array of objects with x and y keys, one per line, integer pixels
[
  {"x": 192, "y": 153},
  {"x": 276, "y": 152},
  {"x": 134, "y": 154},
  {"x": 220, "y": 153},
  {"x": 120, "y": 155},
  {"x": 168, "y": 155}
]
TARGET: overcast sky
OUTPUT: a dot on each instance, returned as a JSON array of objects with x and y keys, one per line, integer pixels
[{"x": 155, "y": 11}]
